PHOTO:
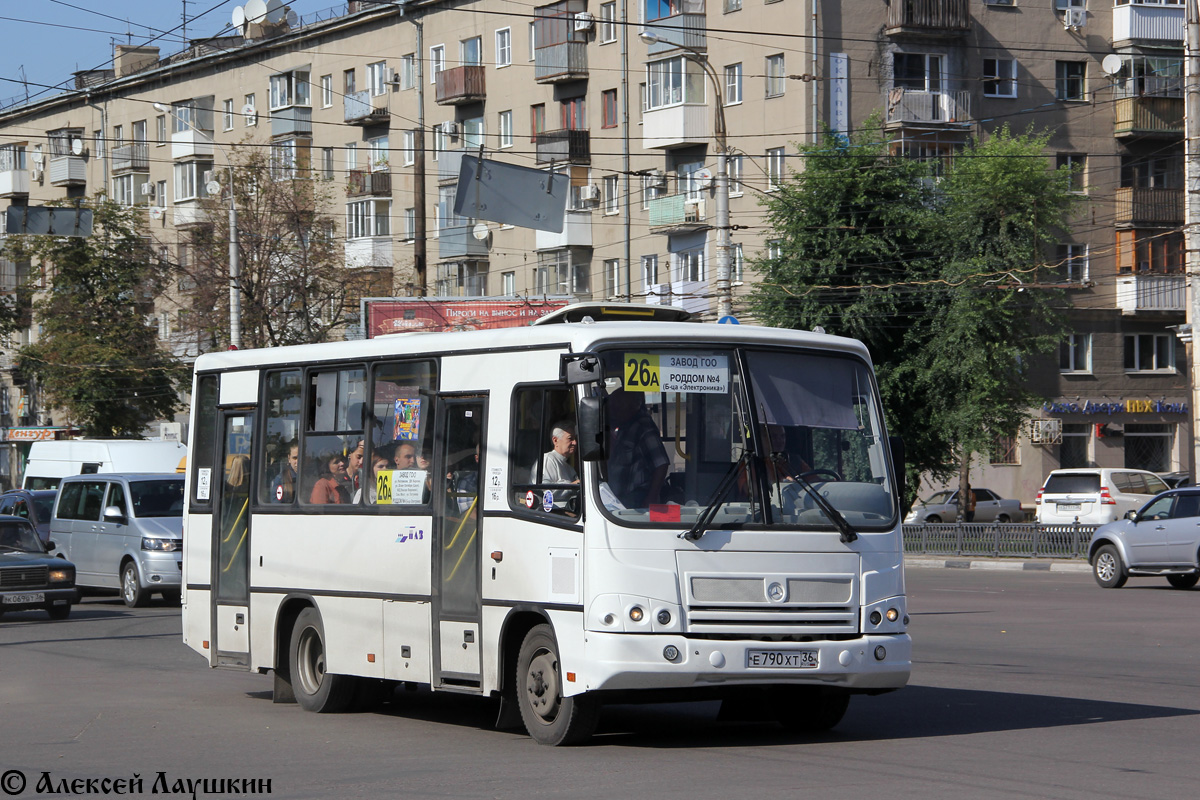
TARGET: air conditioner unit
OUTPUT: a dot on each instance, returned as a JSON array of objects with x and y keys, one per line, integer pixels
[
  {"x": 450, "y": 128},
  {"x": 148, "y": 189},
  {"x": 657, "y": 179},
  {"x": 208, "y": 176},
  {"x": 1074, "y": 18},
  {"x": 584, "y": 22},
  {"x": 393, "y": 77},
  {"x": 35, "y": 174},
  {"x": 1045, "y": 431},
  {"x": 589, "y": 192}
]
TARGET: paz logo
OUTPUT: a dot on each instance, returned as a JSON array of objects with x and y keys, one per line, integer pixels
[{"x": 410, "y": 534}]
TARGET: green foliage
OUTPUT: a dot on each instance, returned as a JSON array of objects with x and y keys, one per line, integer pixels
[
  {"x": 96, "y": 357},
  {"x": 939, "y": 274}
]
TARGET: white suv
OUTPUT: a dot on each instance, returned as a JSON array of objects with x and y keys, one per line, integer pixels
[{"x": 1094, "y": 496}]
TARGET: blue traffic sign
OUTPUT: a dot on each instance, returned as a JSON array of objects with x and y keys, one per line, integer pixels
[{"x": 729, "y": 319}]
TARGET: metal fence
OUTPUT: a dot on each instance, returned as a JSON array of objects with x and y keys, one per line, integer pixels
[{"x": 1014, "y": 540}]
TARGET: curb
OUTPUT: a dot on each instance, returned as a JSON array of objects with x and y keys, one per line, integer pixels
[{"x": 1040, "y": 565}]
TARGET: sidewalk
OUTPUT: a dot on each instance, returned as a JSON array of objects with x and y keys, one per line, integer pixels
[{"x": 1016, "y": 564}]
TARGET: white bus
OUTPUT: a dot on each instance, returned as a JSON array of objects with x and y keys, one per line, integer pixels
[{"x": 558, "y": 516}]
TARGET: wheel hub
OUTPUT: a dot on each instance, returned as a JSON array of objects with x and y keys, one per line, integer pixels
[
  {"x": 541, "y": 686},
  {"x": 1105, "y": 567}
]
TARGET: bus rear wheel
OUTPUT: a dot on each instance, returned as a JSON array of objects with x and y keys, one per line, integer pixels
[
  {"x": 316, "y": 690},
  {"x": 811, "y": 709},
  {"x": 549, "y": 717}
]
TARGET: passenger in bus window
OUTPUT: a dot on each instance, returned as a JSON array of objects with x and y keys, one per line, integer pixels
[
  {"x": 464, "y": 482},
  {"x": 354, "y": 467},
  {"x": 425, "y": 457},
  {"x": 637, "y": 460},
  {"x": 283, "y": 487},
  {"x": 406, "y": 455},
  {"x": 331, "y": 486},
  {"x": 379, "y": 463}
]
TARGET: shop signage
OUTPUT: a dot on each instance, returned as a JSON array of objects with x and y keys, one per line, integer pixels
[
  {"x": 1117, "y": 407},
  {"x": 31, "y": 434},
  {"x": 400, "y": 315}
]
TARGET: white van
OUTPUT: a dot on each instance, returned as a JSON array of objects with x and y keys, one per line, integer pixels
[{"x": 50, "y": 462}]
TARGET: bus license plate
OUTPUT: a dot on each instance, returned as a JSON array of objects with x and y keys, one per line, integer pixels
[
  {"x": 781, "y": 659},
  {"x": 24, "y": 599}
]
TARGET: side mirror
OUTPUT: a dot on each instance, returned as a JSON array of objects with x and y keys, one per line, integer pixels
[
  {"x": 589, "y": 429},
  {"x": 114, "y": 514},
  {"x": 50, "y": 545},
  {"x": 1131, "y": 515}
]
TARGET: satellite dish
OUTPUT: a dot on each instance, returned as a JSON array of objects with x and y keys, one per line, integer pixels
[
  {"x": 213, "y": 188},
  {"x": 239, "y": 17},
  {"x": 703, "y": 176},
  {"x": 248, "y": 110},
  {"x": 275, "y": 11},
  {"x": 256, "y": 11},
  {"x": 1111, "y": 64},
  {"x": 156, "y": 212},
  {"x": 481, "y": 231},
  {"x": 292, "y": 19},
  {"x": 77, "y": 147}
]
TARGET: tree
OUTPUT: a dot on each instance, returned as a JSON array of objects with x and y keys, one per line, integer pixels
[
  {"x": 927, "y": 263},
  {"x": 95, "y": 356},
  {"x": 294, "y": 285}
]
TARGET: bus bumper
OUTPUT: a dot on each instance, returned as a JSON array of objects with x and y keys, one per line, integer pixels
[{"x": 616, "y": 661}]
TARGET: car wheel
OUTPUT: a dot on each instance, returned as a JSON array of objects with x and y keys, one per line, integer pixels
[
  {"x": 1184, "y": 581},
  {"x": 1107, "y": 567},
  {"x": 1003, "y": 519},
  {"x": 59, "y": 612},
  {"x": 933, "y": 518},
  {"x": 811, "y": 709},
  {"x": 316, "y": 690},
  {"x": 549, "y": 717},
  {"x": 131, "y": 587}
]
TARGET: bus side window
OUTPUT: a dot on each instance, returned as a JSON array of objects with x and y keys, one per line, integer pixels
[
  {"x": 400, "y": 434},
  {"x": 544, "y": 470},
  {"x": 332, "y": 450},
  {"x": 279, "y": 470}
]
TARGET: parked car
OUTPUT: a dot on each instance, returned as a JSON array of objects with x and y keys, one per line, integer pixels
[
  {"x": 36, "y": 506},
  {"x": 123, "y": 531},
  {"x": 1094, "y": 496},
  {"x": 943, "y": 507},
  {"x": 1176, "y": 480},
  {"x": 30, "y": 577},
  {"x": 1160, "y": 539}
]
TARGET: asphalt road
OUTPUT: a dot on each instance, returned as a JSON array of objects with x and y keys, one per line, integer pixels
[{"x": 1036, "y": 685}]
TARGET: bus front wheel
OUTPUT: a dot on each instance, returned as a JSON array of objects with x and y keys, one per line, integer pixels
[
  {"x": 316, "y": 689},
  {"x": 549, "y": 717}
]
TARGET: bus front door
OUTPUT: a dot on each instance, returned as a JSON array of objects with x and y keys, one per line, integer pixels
[
  {"x": 231, "y": 541},
  {"x": 457, "y": 520}
]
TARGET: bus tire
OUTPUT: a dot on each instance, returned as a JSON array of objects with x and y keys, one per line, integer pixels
[
  {"x": 131, "y": 586},
  {"x": 316, "y": 690},
  {"x": 811, "y": 709},
  {"x": 549, "y": 717}
]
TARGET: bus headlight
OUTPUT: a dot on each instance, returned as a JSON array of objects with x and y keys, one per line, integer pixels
[{"x": 636, "y": 613}]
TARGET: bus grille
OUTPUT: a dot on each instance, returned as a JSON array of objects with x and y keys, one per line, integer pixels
[
  {"x": 23, "y": 577},
  {"x": 815, "y": 606}
]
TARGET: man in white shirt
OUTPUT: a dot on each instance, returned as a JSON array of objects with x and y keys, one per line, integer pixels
[{"x": 556, "y": 463}]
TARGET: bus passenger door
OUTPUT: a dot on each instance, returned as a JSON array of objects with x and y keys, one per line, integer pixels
[
  {"x": 231, "y": 540},
  {"x": 457, "y": 519}
]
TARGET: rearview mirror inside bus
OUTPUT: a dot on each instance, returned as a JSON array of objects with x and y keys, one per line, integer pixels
[{"x": 590, "y": 429}]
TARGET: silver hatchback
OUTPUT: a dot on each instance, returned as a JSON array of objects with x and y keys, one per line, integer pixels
[{"x": 1161, "y": 539}]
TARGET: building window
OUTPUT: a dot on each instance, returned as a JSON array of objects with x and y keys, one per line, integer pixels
[
  {"x": 532, "y": 41},
  {"x": 408, "y": 148},
  {"x": 118, "y": 137},
  {"x": 1155, "y": 252},
  {"x": 326, "y": 91},
  {"x": 378, "y": 150},
  {"x": 691, "y": 187},
  {"x": 98, "y": 143},
  {"x": 367, "y": 218},
  {"x": 774, "y": 249},
  {"x": 506, "y": 129},
  {"x": 508, "y": 283},
  {"x": 160, "y": 193},
  {"x": 999, "y": 77},
  {"x": 470, "y": 52},
  {"x": 327, "y": 163},
  {"x": 733, "y": 5},
  {"x": 408, "y": 71},
  {"x": 1005, "y": 451},
  {"x": 124, "y": 190},
  {"x": 1069, "y": 80},
  {"x": 377, "y": 78},
  {"x": 189, "y": 180},
  {"x": 1073, "y": 452},
  {"x": 351, "y": 156},
  {"x": 689, "y": 265},
  {"x": 283, "y": 159},
  {"x": 776, "y": 76},
  {"x": 661, "y": 9},
  {"x": 917, "y": 72},
  {"x": 410, "y": 225},
  {"x": 733, "y": 84},
  {"x": 1076, "y": 165},
  {"x": 608, "y": 22},
  {"x": 609, "y": 100},
  {"x": 349, "y": 84},
  {"x": 737, "y": 270},
  {"x": 227, "y": 114},
  {"x": 1075, "y": 353},
  {"x": 673, "y": 81},
  {"x": 734, "y": 166},
  {"x": 289, "y": 89},
  {"x": 537, "y": 120},
  {"x": 574, "y": 113},
  {"x": 1149, "y": 352},
  {"x": 612, "y": 194},
  {"x": 249, "y": 111},
  {"x": 503, "y": 47},
  {"x": 649, "y": 271},
  {"x": 612, "y": 277},
  {"x": 437, "y": 61},
  {"x": 775, "y": 168},
  {"x": 1072, "y": 262},
  {"x": 652, "y": 187},
  {"x": 1148, "y": 446},
  {"x": 160, "y": 130}
]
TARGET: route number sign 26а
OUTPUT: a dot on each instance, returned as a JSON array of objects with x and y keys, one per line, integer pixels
[{"x": 676, "y": 372}]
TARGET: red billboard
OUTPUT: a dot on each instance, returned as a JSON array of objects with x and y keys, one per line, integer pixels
[{"x": 432, "y": 314}]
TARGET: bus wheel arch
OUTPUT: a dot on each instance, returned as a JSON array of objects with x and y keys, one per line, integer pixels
[
  {"x": 285, "y": 622},
  {"x": 315, "y": 689},
  {"x": 550, "y": 717}
]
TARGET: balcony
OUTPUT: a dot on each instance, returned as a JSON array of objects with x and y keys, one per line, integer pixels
[
  {"x": 293, "y": 121},
  {"x": 555, "y": 63},
  {"x": 928, "y": 18},
  {"x": 191, "y": 144},
  {"x": 365, "y": 183},
  {"x": 675, "y": 126},
  {"x": 131, "y": 158},
  {"x": 189, "y": 214},
  {"x": 565, "y": 146},
  {"x": 1151, "y": 293},
  {"x": 14, "y": 182},
  {"x": 459, "y": 85},
  {"x": 459, "y": 242},
  {"x": 360, "y": 108},
  {"x": 908, "y": 106},
  {"x": 68, "y": 171},
  {"x": 1149, "y": 207},
  {"x": 676, "y": 214},
  {"x": 686, "y": 30},
  {"x": 370, "y": 251},
  {"x": 1148, "y": 23},
  {"x": 576, "y": 232},
  {"x": 1159, "y": 117}
]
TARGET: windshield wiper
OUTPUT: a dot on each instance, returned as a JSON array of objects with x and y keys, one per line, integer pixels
[
  {"x": 706, "y": 516},
  {"x": 835, "y": 516}
]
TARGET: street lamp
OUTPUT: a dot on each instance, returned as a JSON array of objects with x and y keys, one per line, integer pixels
[
  {"x": 235, "y": 296},
  {"x": 724, "y": 289}
]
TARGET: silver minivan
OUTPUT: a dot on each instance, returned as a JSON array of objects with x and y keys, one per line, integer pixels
[{"x": 123, "y": 531}]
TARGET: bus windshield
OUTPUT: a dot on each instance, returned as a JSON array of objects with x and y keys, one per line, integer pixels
[{"x": 752, "y": 432}]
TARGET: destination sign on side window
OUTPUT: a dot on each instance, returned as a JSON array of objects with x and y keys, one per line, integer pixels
[
  {"x": 684, "y": 373},
  {"x": 401, "y": 487}
]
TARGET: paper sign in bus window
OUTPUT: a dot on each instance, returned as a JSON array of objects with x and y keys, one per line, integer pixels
[
  {"x": 684, "y": 373},
  {"x": 408, "y": 419}
]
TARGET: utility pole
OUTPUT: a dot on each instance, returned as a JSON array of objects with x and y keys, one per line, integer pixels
[
  {"x": 1191, "y": 170},
  {"x": 420, "y": 247}
]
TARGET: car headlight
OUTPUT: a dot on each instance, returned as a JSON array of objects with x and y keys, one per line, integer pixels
[
  {"x": 162, "y": 545},
  {"x": 62, "y": 575}
]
